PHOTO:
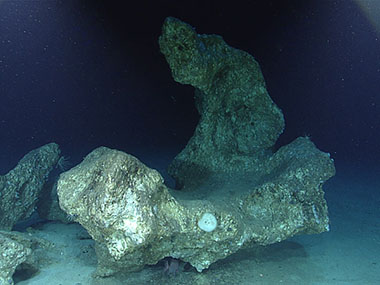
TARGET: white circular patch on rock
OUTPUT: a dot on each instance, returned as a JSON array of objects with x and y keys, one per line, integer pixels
[{"x": 208, "y": 222}]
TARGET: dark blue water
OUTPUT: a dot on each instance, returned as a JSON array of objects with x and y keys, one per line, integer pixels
[{"x": 88, "y": 73}]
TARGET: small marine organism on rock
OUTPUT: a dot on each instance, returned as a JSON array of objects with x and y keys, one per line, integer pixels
[
  {"x": 208, "y": 222},
  {"x": 63, "y": 163},
  {"x": 171, "y": 267}
]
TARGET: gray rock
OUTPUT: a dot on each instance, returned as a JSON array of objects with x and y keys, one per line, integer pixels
[{"x": 20, "y": 187}]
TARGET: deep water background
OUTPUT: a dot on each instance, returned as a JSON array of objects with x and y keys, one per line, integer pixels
[{"x": 89, "y": 73}]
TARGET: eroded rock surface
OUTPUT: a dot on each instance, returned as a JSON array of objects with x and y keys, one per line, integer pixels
[
  {"x": 238, "y": 120},
  {"x": 20, "y": 187},
  {"x": 238, "y": 193},
  {"x": 18, "y": 249},
  {"x": 128, "y": 211}
]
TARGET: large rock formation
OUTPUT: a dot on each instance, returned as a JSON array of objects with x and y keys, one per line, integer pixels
[
  {"x": 238, "y": 120},
  {"x": 20, "y": 187},
  {"x": 124, "y": 206},
  {"x": 135, "y": 220},
  {"x": 238, "y": 193}
]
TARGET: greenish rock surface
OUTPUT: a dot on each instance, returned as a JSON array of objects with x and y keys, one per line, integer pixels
[
  {"x": 20, "y": 187},
  {"x": 18, "y": 250},
  {"x": 238, "y": 120}
]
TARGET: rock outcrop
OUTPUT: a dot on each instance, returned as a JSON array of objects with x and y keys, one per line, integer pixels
[
  {"x": 20, "y": 187},
  {"x": 236, "y": 191},
  {"x": 18, "y": 249}
]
